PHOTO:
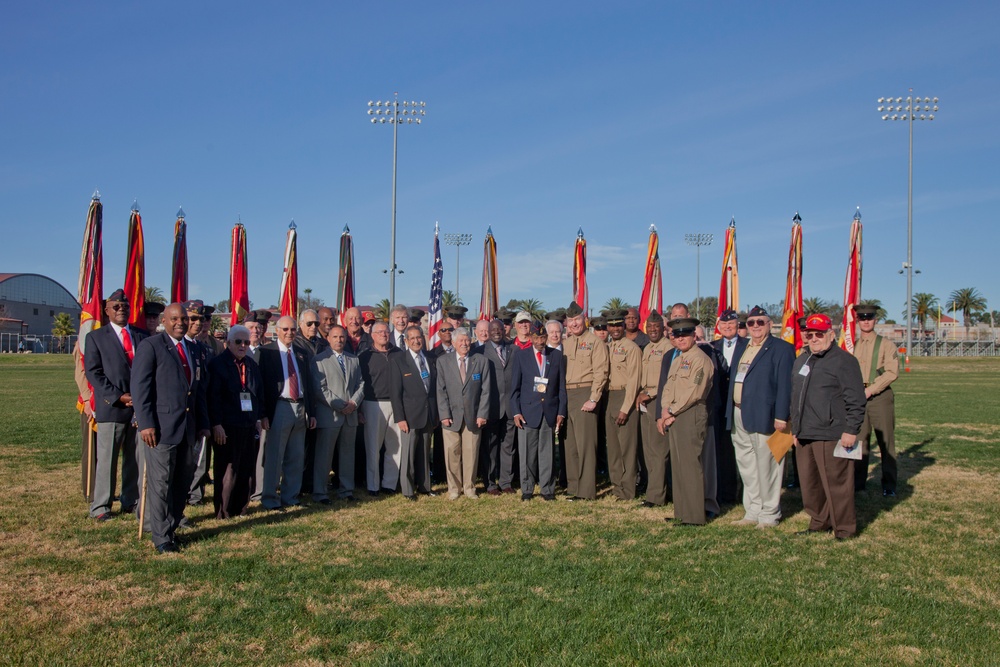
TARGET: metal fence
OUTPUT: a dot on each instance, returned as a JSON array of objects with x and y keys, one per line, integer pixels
[
  {"x": 953, "y": 348},
  {"x": 12, "y": 343}
]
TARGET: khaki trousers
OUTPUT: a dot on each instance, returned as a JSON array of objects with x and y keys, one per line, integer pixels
[
  {"x": 581, "y": 446},
  {"x": 760, "y": 472},
  {"x": 880, "y": 417},
  {"x": 656, "y": 449},
  {"x": 687, "y": 441},
  {"x": 461, "y": 456},
  {"x": 623, "y": 462}
]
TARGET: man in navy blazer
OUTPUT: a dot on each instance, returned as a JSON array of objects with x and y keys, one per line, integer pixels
[
  {"x": 108, "y": 362},
  {"x": 538, "y": 406},
  {"x": 168, "y": 394},
  {"x": 725, "y": 347},
  {"x": 414, "y": 407},
  {"x": 760, "y": 386}
]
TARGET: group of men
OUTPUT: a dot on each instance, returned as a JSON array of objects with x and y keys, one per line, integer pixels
[{"x": 512, "y": 402}]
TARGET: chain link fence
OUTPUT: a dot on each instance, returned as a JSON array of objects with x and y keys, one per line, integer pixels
[{"x": 12, "y": 343}]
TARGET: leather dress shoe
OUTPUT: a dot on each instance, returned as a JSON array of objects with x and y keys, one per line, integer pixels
[
  {"x": 325, "y": 501},
  {"x": 647, "y": 504},
  {"x": 507, "y": 489},
  {"x": 373, "y": 494},
  {"x": 349, "y": 499},
  {"x": 430, "y": 494},
  {"x": 105, "y": 516},
  {"x": 888, "y": 493},
  {"x": 166, "y": 548},
  {"x": 548, "y": 497},
  {"x": 412, "y": 499},
  {"x": 810, "y": 531},
  {"x": 525, "y": 497},
  {"x": 494, "y": 491}
]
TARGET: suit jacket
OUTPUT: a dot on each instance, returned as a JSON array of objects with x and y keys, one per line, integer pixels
[
  {"x": 332, "y": 390},
  {"x": 272, "y": 372},
  {"x": 525, "y": 400},
  {"x": 410, "y": 401},
  {"x": 501, "y": 376},
  {"x": 109, "y": 373},
  {"x": 225, "y": 387},
  {"x": 767, "y": 387},
  {"x": 161, "y": 395},
  {"x": 438, "y": 351},
  {"x": 460, "y": 402}
]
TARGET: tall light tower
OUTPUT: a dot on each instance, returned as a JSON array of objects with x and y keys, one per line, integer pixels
[
  {"x": 457, "y": 240},
  {"x": 909, "y": 109},
  {"x": 698, "y": 240},
  {"x": 395, "y": 112}
]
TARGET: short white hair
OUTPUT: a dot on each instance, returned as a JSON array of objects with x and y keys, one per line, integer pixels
[
  {"x": 236, "y": 331},
  {"x": 459, "y": 332}
]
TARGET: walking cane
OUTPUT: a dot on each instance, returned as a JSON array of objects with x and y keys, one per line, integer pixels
[
  {"x": 142, "y": 502},
  {"x": 90, "y": 460}
]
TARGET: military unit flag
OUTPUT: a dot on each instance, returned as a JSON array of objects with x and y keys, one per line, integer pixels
[
  {"x": 289, "y": 302},
  {"x": 179, "y": 276},
  {"x": 90, "y": 288},
  {"x": 729, "y": 285},
  {"x": 345, "y": 276},
  {"x": 489, "y": 303},
  {"x": 793, "y": 288},
  {"x": 135, "y": 270},
  {"x": 435, "y": 303},
  {"x": 239, "y": 291},
  {"x": 580, "y": 292},
  {"x": 852, "y": 286},
  {"x": 652, "y": 285}
]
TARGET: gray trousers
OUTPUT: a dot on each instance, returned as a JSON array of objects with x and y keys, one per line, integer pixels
[
  {"x": 258, "y": 488},
  {"x": 284, "y": 455},
  {"x": 497, "y": 453},
  {"x": 168, "y": 480},
  {"x": 415, "y": 461},
  {"x": 115, "y": 441},
  {"x": 341, "y": 438},
  {"x": 536, "y": 449}
]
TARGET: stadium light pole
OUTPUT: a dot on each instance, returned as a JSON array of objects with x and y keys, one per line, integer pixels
[
  {"x": 395, "y": 112},
  {"x": 907, "y": 109},
  {"x": 698, "y": 240},
  {"x": 457, "y": 240}
]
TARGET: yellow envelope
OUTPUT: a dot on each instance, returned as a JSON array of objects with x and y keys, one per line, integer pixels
[{"x": 779, "y": 443}]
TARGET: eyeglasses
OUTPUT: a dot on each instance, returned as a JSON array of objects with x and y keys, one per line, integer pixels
[
  {"x": 756, "y": 323},
  {"x": 195, "y": 318},
  {"x": 312, "y": 324},
  {"x": 809, "y": 335},
  {"x": 118, "y": 306},
  {"x": 446, "y": 329},
  {"x": 237, "y": 341},
  {"x": 286, "y": 328}
]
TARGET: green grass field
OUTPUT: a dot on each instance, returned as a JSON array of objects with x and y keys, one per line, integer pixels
[{"x": 497, "y": 581}]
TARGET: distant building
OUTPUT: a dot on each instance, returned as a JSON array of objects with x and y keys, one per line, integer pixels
[{"x": 35, "y": 300}]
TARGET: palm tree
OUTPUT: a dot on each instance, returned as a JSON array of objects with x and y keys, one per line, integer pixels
[
  {"x": 449, "y": 298},
  {"x": 815, "y": 306},
  {"x": 155, "y": 295},
  {"x": 923, "y": 306},
  {"x": 533, "y": 306},
  {"x": 970, "y": 302},
  {"x": 616, "y": 303},
  {"x": 881, "y": 313},
  {"x": 383, "y": 309}
]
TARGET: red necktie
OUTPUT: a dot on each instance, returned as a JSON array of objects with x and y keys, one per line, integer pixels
[
  {"x": 184, "y": 361},
  {"x": 127, "y": 343},
  {"x": 293, "y": 379},
  {"x": 541, "y": 366}
]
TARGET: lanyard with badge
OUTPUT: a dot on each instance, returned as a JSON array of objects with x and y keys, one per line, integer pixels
[
  {"x": 246, "y": 403},
  {"x": 541, "y": 382}
]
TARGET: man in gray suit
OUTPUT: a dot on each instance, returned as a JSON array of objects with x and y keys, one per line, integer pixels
[
  {"x": 338, "y": 390},
  {"x": 498, "y": 436},
  {"x": 463, "y": 396}
]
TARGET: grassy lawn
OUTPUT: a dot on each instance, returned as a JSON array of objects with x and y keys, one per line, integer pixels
[{"x": 501, "y": 581}]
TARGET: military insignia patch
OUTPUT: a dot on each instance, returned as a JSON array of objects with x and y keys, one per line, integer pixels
[{"x": 699, "y": 376}]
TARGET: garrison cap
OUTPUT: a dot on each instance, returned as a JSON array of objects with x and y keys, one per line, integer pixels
[
  {"x": 683, "y": 326},
  {"x": 118, "y": 295},
  {"x": 757, "y": 311},
  {"x": 728, "y": 315},
  {"x": 536, "y": 328},
  {"x": 654, "y": 317},
  {"x": 574, "y": 310}
]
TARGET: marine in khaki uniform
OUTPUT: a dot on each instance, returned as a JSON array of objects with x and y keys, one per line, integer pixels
[
  {"x": 655, "y": 446},
  {"x": 684, "y": 419},
  {"x": 879, "y": 369},
  {"x": 586, "y": 378},
  {"x": 620, "y": 423}
]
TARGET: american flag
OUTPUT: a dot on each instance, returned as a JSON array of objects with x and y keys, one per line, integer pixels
[{"x": 434, "y": 305}]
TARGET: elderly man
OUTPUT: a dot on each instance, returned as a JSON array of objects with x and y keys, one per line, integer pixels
[
  {"x": 879, "y": 369},
  {"x": 655, "y": 445},
  {"x": 728, "y": 482},
  {"x": 445, "y": 333},
  {"x": 632, "y": 330},
  {"x": 538, "y": 403},
  {"x": 415, "y": 411},
  {"x": 621, "y": 427},
  {"x": 199, "y": 316},
  {"x": 482, "y": 334},
  {"x": 586, "y": 379},
  {"x": 463, "y": 397},
  {"x": 685, "y": 386},
  {"x": 522, "y": 324},
  {"x": 339, "y": 391},
  {"x": 357, "y": 339},
  {"x": 399, "y": 317},
  {"x": 288, "y": 414},
  {"x": 378, "y": 369},
  {"x": 168, "y": 385},
  {"x": 235, "y": 393},
  {"x": 308, "y": 337},
  {"x": 497, "y": 454},
  {"x": 110, "y": 353},
  {"x": 828, "y": 408},
  {"x": 758, "y": 405},
  {"x": 553, "y": 335}
]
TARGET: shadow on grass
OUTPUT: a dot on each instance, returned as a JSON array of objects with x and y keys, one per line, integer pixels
[{"x": 909, "y": 463}]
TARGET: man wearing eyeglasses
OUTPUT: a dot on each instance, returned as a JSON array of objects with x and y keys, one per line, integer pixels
[
  {"x": 108, "y": 361},
  {"x": 879, "y": 369},
  {"x": 827, "y": 409},
  {"x": 378, "y": 370},
  {"x": 200, "y": 460},
  {"x": 309, "y": 340},
  {"x": 444, "y": 336},
  {"x": 760, "y": 387}
]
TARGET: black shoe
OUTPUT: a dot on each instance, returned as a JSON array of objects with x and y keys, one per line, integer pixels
[
  {"x": 412, "y": 499},
  {"x": 430, "y": 494},
  {"x": 647, "y": 504},
  {"x": 811, "y": 531},
  {"x": 710, "y": 515},
  {"x": 105, "y": 516},
  {"x": 548, "y": 497},
  {"x": 888, "y": 493},
  {"x": 525, "y": 497},
  {"x": 373, "y": 494},
  {"x": 166, "y": 548},
  {"x": 130, "y": 509},
  {"x": 844, "y": 538},
  {"x": 348, "y": 499},
  {"x": 326, "y": 501}
]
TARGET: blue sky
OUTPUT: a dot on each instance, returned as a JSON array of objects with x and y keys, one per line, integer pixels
[{"x": 541, "y": 118}]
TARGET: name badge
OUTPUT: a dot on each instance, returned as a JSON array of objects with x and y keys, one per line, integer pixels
[
  {"x": 804, "y": 371},
  {"x": 246, "y": 404},
  {"x": 477, "y": 377},
  {"x": 424, "y": 375},
  {"x": 741, "y": 372},
  {"x": 541, "y": 384}
]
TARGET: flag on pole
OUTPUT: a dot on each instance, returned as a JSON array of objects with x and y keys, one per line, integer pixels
[
  {"x": 490, "y": 301},
  {"x": 852, "y": 286},
  {"x": 289, "y": 302},
  {"x": 345, "y": 276},
  {"x": 652, "y": 286},
  {"x": 90, "y": 288},
  {"x": 434, "y": 305},
  {"x": 729, "y": 286},
  {"x": 793, "y": 288},
  {"x": 135, "y": 270},
  {"x": 239, "y": 290},
  {"x": 179, "y": 278},
  {"x": 580, "y": 292}
]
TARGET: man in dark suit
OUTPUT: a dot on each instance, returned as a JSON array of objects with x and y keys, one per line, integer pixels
[
  {"x": 760, "y": 388},
  {"x": 728, "y": 482},
  {"x": 110, "y": 351},
  {"x": 538, "y": 403},
  {"x": 497, "y": 447},
  {"x": 463, "y": 397},
  {"x": 414, "y": 407},
  {"x": 199, "y": 318},
  {"x": 168, "y": 395},
  {"x": 287, "y": 415}
]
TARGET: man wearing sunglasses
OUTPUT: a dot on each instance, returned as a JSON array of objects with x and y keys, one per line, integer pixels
[
  {"x": 828, "y": 407},
  {"x": 759, "y": 393},
  {"x": 311, "y": 342},
  {"x": 879, "y": 369},
  {"x": 201, "y": 345}
]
